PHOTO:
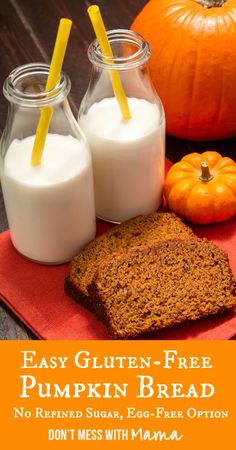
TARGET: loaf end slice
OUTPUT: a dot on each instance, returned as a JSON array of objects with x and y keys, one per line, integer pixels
[{"x": 141, "y": 230}]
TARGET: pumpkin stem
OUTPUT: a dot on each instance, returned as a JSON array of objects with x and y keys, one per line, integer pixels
[
  {"x": 211, "y": 3},
  {"x": 205, "y": 175}
]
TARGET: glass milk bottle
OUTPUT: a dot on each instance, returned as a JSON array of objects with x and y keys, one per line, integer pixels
[
  {"x": 128, "y": 155},
  {"x": 50, "y": 207}
]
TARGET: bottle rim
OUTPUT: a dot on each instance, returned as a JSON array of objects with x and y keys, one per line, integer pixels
[
  {"x": 136, "y": 59},
  {"x": 37, "y": 98}
]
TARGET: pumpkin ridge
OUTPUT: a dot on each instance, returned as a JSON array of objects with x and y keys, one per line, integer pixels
[
  {"x": 182, "y": 166},
  {"x": 225, "y": 163},
  {"x": 220, "y": 192},
  {"x": 194, "y": 85},
  {"x": 182, "y": 194},
  {"x": 171, "y": 8},
  {"x": 171, "y": 188},
  {"x": 181, "y": 9},
  {"x": 216, "y": 117},
  {"x": 199, "y": 204},
  {"x": 228, "y": 181},
  {"x": 228, "y": 14},
  {"x": 177, "y": 56},
  {"x": 172, "y": 21},
  {"x": 212, "y": 158}
]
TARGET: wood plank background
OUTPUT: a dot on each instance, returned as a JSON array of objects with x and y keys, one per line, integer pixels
[{"x": 27, "y": 34}]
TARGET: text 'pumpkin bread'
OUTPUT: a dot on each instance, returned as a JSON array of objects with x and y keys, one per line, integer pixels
[
  {"x": 155, "y": 287},
  {"x": 141, "y": 230}
]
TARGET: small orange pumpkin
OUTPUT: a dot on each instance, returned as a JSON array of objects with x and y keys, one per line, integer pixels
[{"x": 202, "y": 187}]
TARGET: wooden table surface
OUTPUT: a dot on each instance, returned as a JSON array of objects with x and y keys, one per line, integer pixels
[{"x": 27, "y": 34}]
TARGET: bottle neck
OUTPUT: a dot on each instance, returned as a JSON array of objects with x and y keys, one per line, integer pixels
[
  {"x": 25, "y": 86},
  {"x": 130, "y": 51}
]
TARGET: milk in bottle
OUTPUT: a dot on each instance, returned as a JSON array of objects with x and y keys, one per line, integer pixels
[
  {"x": 128, "y": 155},
  {"x": 50, "y": 206}
]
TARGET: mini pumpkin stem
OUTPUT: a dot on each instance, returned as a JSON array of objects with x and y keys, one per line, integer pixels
[
  {"x": 211, "y": 3},
  {"x": 205, "y": 175}
]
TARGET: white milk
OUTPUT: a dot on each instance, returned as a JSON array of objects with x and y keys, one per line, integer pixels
[
  {"x": 50, "y": 207},
  {"x": 128, "y": 157}
]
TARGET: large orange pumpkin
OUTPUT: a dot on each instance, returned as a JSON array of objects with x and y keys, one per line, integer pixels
[{"x": 193, "y": 65}]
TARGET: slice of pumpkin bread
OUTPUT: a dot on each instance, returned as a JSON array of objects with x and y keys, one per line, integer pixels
[
  {"x": 141, "y": 230},
  {"x": 162, "y": 285}
]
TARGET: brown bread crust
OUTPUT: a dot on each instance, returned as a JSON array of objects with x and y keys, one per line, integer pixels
[
  {"x": 141, "y": 230},
  {"x": 159, "y": 286}
]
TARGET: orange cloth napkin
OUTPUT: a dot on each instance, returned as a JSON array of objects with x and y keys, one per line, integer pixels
[{"x": 35, "y": 293}]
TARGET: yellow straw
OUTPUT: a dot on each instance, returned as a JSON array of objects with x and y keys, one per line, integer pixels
[
  {"x": 100, "y": 31},
  {"x": 53, "y": 77}
]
